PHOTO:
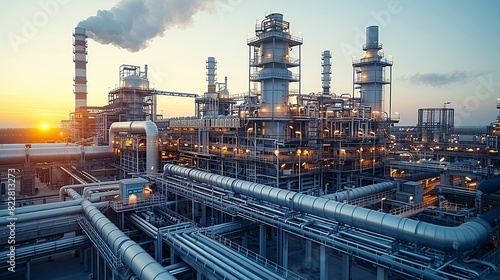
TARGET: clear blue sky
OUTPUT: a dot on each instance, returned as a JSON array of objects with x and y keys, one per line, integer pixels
[{"x": 443, "y": 51}]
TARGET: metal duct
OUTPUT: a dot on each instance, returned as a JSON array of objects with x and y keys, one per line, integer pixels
[
  {"x": 151, "y": 131},
  {"x": 464, "y": 237},
  {"x": 75, "y": 195},
  {"x": 133, "y": 256},
  {"x": 43, "y": 214},
  {"x": 360, "y": 192},
  {"x": 41, "y": 207},
  {"x": 486, "y": 187},
  {"x": 52, "y": 153}
]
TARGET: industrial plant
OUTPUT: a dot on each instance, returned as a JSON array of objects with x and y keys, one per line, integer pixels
[{"x": 272, "y": 183}]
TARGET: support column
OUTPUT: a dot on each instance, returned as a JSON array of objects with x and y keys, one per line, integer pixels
[
  {"x": 92, "y": 262},
  {"x": 262, "y": 240},
  {"x": 284, "y": 251},
  {"x": 28, "y": 270},
  {"x": 346, "y": 267},
  {"x": 173, "y": 258},
  {"x": 203, "y": 215},
  {"x": 381, "y": 273},
  {"x": 98, "y": 273},
  {"x": 323, "y": 263},
  {"x": 192, "y": 210},
  {"x": 158, "y": 247},
  {"x": 244, "y": 240},
  {"x": 308, "y": 254},
  {"x": 86, "y": 259}
]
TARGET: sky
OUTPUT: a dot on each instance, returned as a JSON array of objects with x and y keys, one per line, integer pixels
[{"x": 443, "y": 51}]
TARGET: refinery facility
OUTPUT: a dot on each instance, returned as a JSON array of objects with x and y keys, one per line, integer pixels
[{"x": 272, "y": 183}]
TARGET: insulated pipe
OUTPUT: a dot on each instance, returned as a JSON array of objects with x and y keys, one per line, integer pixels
[
  {"x": 361, "y": 191},
  {"x": 486, "y": 187},
  {"x": 75, "y": 195},
  {"x": 243, "y": 266},
  {"x": 42, "y": 215},
  {"x": 346, "y": 247},
  {"x": 13, "y": 156},
  {"x": 40, "y": 207},
  {"x": 467, "y": 236},
  {"x": 263, "y": 274},
  {"x": 132, "y": 255},
  {"x": 222, "y": 268},
  {"x": 151, "y": 131},
  {"x": 98, "y": 188}
]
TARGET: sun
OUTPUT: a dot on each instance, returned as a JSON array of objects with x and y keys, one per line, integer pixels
[{"x": 44, "y": 126}]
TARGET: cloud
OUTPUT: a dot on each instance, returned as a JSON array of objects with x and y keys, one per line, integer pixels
[
  {"x": 132, "y": 24},
  {"x": 442, "y": 79}
]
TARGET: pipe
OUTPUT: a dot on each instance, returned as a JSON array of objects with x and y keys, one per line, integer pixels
[
  {"x": 151, "y": 131},
  {"x": 243, "y": 266},
  {"x": 42, "y": 215},
  {"x": 223, "y": 269},
  {"x": 354, "y": 249},
  {"x": 324, "y": 237},
  {"x": 464, "y": 237},
  {"x": 492, "y": 216},
  {"x": 40, "y": 207},
  {"x": 98, "y": 188},
  {"x": 132, "y": 255},
  {"x": 490, "y": 265},
  {"x": 75, "y": 195},
  {"x": 360, "y": 192},
  {"x": 486, "y": 187},
  {"x": 243, "y": 261},
  {"x": 16, "y": 156}
]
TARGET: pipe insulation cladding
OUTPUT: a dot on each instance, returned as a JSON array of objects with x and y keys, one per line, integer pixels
[
  {"x": 132, "y": 254},
  {"x": 468, "y": 235},
  {"x": 146, "y": 127}
]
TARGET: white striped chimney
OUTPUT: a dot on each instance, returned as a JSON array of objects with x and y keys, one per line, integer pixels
[
  {"x": 211, "y": 74},
  {"x": 326, "y": 71},
  {"x": 80, "y": 59}
]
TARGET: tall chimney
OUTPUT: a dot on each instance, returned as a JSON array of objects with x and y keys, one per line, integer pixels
[
  {"x": 326, "y": 71},
  {"x": 80, "y": 59}
]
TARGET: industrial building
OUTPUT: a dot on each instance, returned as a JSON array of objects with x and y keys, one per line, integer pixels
[{"x": 267, "y": 184}]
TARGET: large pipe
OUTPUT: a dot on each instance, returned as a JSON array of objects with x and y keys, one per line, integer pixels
[
  {"x": 467, "y": 236},
  {"x": 75, "y": 195},
  {"x": 361, "y": 191},
  {"x": 41, "y": 154},
  {"x": 147, "y": 127},
  {"x": 133, "y": 256},
  {"x": 486, "y": 187},
  {"x": 40, "y": 207},
  {"x": 42, "y": 215}
]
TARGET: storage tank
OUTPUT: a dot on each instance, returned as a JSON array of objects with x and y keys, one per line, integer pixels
[{"x": 134, "y": 81}]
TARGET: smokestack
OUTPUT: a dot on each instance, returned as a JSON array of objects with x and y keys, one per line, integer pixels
[
  {"x": 326, "y": 71},
  {"x": 80, "y": 59},
  {"x": 211, "y": 74}
]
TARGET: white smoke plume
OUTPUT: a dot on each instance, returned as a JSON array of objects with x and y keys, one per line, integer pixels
[{"x": 132, "y": 24}]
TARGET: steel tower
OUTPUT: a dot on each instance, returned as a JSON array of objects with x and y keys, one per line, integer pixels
[
  {"x": 369, "y": 72},
  {"x": 270, "y": 62}
]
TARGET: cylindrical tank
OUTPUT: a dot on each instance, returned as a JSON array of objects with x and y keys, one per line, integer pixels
[
  {"x": 371, "y": 39},
  {"x": 134, "y": 81}
]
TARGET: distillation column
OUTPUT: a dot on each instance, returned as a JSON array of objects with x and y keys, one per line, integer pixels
[
  {"x": 369, "y": 72},
  {"x": 211, "y": 105},
  {"x": 326, "y": 71},
  {"x": 270, "y": 67},
  {"x": 80, "y": 59}
]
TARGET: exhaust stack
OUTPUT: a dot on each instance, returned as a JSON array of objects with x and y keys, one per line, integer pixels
[{"x": 80, "y": 59}]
